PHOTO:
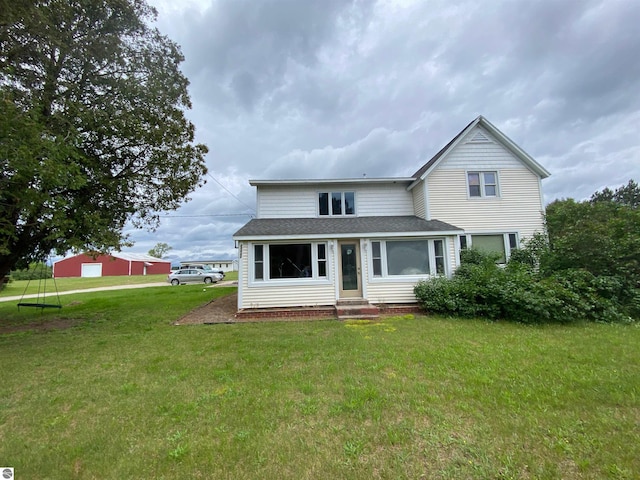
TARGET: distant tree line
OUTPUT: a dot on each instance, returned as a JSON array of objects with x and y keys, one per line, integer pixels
[
  {"x": 586, "y": 267},
  {"x": 35, "y": 271}
]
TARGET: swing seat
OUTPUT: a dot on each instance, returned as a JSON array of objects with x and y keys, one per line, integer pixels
[
  {"x": 39, "y": 300},
  {"x": 39, "y": 305}
]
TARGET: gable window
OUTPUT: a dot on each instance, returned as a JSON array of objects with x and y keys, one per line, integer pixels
[
  {"x": 336, "y": 203},
  {"x": 290, "y": 260},
  {"x": 482, "y": 184},
  {"x": 407, "y": 257}
]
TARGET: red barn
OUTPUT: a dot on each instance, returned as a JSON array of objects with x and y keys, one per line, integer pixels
[{"x": 84, "y": 265}]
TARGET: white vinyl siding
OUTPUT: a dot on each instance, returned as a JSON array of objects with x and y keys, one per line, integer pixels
[
  {"x": 419, "y": 201},
  {"x": 281, "y": 201},
  {"x": 384, "y": 200},
  {"x": 485, "y": 156},
  {"x": 287, "y": 202},
  {"x": 271, "y": 296},
  {"x": 517, "y": 209}
]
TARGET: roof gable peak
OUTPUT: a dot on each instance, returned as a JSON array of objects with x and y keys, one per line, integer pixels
[{"x": 494, "y": 134}]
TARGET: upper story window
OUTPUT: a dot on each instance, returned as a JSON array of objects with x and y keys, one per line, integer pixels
[
  {"x": 482, "y": 184},
  {"x": 336, "y": 203}
]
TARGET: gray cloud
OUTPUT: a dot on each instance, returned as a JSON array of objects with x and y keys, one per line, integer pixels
[{"x": 310, "y": 89}]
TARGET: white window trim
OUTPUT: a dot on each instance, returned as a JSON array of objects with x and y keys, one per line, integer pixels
[
  {"x": 315, "y": 279},
  {"x": 386, "y": 278},
  {"x": 331, "y": 214},
  {"x": 482, "y": 193},
  {"x": 505, "y": 239}
]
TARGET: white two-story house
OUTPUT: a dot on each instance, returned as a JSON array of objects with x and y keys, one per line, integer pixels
[{"x": 318, "y": 243}]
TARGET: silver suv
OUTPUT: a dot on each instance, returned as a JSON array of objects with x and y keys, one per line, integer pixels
[{"x": 193, "y": 275}]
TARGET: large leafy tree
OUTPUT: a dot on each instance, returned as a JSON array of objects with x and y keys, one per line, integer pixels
[
  {"x": 601, "y": 235},
  {"x": 92, "y": 127}
]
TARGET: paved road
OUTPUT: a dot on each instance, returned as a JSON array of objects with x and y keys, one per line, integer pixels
[{"x": 51, "y": 295}]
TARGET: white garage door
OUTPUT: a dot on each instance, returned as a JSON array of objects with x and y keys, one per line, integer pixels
[{"x": 91, "y": 270}]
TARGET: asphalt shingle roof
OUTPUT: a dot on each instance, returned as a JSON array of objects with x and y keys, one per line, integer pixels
[{"x": 260, "y": 227}]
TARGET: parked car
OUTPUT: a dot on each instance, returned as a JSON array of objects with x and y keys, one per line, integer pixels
[
  {"x": 205, "y": 267},
  {"x": 193, "y": 275}
]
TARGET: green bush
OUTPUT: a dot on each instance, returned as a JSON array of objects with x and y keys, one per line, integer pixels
[{"x": 518, "y": 292}]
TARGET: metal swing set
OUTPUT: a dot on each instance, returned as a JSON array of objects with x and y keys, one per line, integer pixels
[{"x": 40, "y": 299}]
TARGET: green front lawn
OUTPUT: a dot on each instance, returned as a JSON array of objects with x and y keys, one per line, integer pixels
[
  {"x": 18, "y": 287},
  {"x": 50, "y": 286},
  {"x": 117, "y": 392}
]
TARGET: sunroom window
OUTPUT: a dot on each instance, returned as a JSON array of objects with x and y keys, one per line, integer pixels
[
  {"x": 290, "y": 261},
  {"x": 407, "y": 257}
]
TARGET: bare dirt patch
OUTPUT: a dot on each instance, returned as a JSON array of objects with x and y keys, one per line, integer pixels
[
  {"x": 41, "y": 326},
  {"x": 219, "y": 310}
]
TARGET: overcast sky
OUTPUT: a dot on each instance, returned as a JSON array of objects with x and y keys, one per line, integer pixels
[{"x": 336, "y": 89}]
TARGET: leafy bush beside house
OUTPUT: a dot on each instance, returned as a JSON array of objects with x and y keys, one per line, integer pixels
[
  {"x": 521, "y": 293},
  {"x": 587, "y": 269}
]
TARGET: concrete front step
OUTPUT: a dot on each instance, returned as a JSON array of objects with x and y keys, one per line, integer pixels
[{"x": 356, "y": 309}]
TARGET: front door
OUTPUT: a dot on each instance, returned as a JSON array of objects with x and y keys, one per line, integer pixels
[{"x": 350, "y": 279}]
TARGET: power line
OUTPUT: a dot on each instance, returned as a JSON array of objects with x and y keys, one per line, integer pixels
[
  {"x": 230, "y": 192},
  {"x": 210, "y": 215}
]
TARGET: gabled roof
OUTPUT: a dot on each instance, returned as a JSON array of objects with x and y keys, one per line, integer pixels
[
  {"x": 129, "y": 257},
  {"x": 137, "y": 257},
  {"x": 497, "y": 134},
  {"x": 342, "y": 226}
]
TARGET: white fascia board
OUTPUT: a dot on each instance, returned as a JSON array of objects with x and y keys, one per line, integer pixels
[
  {"x": 515, "y": 149},
  {"x": 273, "y": 238},
  {"x": 461, "y": 135},
  {"x": 333, "y": 181}
]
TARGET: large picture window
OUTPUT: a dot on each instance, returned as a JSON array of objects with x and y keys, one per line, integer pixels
[
  {"x": 336, "y": 203},
  {"x": 407, "y": 257},
  {"x": 290, "y": 260}
]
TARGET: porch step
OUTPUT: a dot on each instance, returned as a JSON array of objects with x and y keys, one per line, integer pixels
[{"x": 356, "y": 308}]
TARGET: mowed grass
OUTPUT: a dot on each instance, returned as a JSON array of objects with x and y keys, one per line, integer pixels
[
  {"x": 50, "y": 286},
  {"x": 122, "y": 393}
]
